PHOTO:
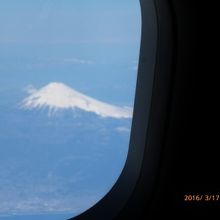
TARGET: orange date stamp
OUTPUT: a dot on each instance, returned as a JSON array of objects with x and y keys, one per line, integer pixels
[{"x": 202, "y": 197}]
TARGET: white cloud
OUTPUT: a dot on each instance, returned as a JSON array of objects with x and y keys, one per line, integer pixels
[
  {"x": 123, "y": 129},
  {"x": 30, "y": 89},
  {"x": 78, "y": 61}
]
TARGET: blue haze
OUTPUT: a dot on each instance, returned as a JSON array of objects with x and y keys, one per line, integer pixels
[{"x": 57, "y": 167}]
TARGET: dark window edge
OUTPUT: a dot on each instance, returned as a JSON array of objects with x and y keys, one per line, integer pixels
[{"x": 143, "y": 159}]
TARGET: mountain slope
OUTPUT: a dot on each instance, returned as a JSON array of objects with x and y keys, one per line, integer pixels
[{"x": 57, "y": 96}]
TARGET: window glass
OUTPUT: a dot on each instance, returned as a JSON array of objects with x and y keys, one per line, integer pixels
[{"x": 68, "y": 72}]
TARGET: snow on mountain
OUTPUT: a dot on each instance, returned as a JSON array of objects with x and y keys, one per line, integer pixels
[{"x": 56, "y": 96}]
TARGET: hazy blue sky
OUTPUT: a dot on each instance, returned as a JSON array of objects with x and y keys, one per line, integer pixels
[{"x": 69, "y": 21}]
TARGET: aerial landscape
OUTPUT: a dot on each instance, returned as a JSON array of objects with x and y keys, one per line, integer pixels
[{"x": 68, "y": 72}]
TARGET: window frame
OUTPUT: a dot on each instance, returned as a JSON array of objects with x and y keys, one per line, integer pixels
[{"x": 150, "y": 116}]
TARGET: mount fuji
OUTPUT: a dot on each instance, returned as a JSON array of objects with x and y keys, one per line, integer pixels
[
  {"x": 58, "y": 96},
  {"x": 54, "y": 158}
]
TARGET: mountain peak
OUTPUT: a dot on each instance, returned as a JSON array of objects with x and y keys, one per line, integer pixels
[
  {"x": 57, "y": 86},
  {"x": 56, "y": 95}
]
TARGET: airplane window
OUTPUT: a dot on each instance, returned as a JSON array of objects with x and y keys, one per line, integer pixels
[{"x": 67, "y": 83}]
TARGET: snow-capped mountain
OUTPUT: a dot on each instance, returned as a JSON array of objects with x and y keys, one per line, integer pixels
[
  {"x": 55, "y": 96},
  {"x": 54, "y": 158}
]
